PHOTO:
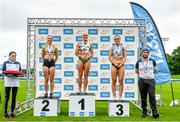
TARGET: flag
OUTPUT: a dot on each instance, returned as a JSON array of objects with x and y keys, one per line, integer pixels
[{"x": 154, "y": 43}]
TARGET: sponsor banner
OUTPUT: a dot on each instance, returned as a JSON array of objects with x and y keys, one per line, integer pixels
[{"x": 99, "y": 80}]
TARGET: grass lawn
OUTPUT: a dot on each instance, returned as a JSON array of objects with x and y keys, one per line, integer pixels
[{"x": 167, "y": 113}]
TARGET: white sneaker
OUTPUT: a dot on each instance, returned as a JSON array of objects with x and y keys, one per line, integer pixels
[
  {"x": 84, "y": 93},
  {"x": 120, "y": 97},
  {"x": 114, "y": 98},
  {"x": 79, "y": 92}
]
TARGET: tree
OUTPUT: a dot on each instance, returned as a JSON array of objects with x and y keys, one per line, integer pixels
[
  {"x": 174, "y": 61},
  {"x": 170, "y": 63}
]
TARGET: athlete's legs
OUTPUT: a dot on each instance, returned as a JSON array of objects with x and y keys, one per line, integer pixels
[
  {"x": 114, "y": 79},
  {"x": 80, "y": 72},
  {"x": 52, "y": 73},
  {"x": 120, "y": 79},
  {"x": 46, "y": 78},
  {"x": 86, "y": 73}
]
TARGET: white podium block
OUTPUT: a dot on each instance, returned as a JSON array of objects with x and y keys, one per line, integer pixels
[
  {"x": 46, "y": 106},
  {"x": 81, "y": 105},
  {"x": 118, "y": 108}
]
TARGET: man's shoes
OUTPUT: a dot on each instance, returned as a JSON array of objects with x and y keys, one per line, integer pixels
[
  {"x": 155, "y": 114},
  {"x": 144, "y": 114},
  {"x": 12, "y": 115},
  {"x": 45, "y": 95},
  {"x": 6, "y": 116},
  {"x": 50, "y": 95}
]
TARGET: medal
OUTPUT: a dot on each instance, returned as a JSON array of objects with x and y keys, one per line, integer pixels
[
  {"x": 49, "y": 52},
  {"x": 119, "y": 56},
  {"x": 145, "y": 71},
  {"x": 145, "y": 66}
]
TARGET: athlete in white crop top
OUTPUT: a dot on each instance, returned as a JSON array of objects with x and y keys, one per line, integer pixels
[
  {"x": 117, "y": 56},
  {"x": 84, "y": 52}
]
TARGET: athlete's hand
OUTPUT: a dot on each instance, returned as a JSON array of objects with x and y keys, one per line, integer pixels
[
  {"x": 80, "y": 56},
  {"x": 88, "y": 56},
  {"x": 114, "y": 62},
  {"x": 120, "y": 65}
]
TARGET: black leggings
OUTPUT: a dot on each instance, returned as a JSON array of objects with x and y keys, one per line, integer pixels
[{"x": 7, "y": 95}]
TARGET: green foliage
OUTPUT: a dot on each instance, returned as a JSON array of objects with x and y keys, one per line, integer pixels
[{"x": 174, "y": 61}]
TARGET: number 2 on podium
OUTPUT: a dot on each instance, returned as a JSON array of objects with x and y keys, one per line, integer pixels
[
  {"x": 45, "y": 108},
  {"x": 82, "y": 104}
]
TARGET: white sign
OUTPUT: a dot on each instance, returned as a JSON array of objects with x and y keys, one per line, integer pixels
[
  {"x": 46, "y": 106},
  {"x": 118, "y": 108},
  {"x": 81, "y": 105}
]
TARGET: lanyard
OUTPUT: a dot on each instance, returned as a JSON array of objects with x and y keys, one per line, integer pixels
[
  {"x": 145, "y": 63},
  {"x": 12, "y": 62},
  {"x": 117, "y": 50},
  {"x": 49, "y": 49}
]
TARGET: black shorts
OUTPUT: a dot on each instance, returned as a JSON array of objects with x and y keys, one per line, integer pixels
[{"x": 48, "y": 63}]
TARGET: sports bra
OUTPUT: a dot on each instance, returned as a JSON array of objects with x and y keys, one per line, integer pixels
[
  {"x": 117, "y": 51},
  {"x": 84, "y": 47},
  {"x": 50, "y": 50}
]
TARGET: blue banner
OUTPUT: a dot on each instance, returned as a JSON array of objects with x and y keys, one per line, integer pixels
[{"x": 154, "y": 43}]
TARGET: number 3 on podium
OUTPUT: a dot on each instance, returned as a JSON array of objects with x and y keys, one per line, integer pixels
[{"x": 120, "y": 108}]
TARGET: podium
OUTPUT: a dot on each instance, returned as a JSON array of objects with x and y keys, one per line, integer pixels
[
  {"x": 46, "y": 106},
  {"x": 81, "y": 105},
  {"x": 118, "y": 108}
]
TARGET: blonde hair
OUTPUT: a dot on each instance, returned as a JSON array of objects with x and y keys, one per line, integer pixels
[{"x": 49, "y": 36}]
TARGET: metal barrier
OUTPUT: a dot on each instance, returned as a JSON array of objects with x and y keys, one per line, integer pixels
[
  {"x": 176, "y": 80},
  {"x": 24, "y": 106}
]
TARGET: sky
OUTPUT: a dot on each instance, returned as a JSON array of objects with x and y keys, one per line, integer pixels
[{"x": 14, "y": 14}]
